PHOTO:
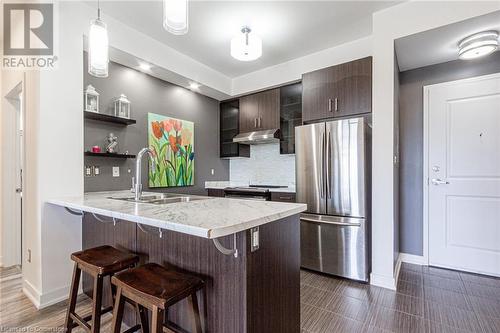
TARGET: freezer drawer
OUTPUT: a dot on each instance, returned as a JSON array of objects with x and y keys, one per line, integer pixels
[{"x": 335, "y": 245}]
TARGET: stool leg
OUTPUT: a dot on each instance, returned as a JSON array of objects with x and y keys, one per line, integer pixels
[
  {"x": 97, "y": 300},
  {"x": 118, "y": 309},
  {"x": 143, "y": 316},
  {"x": 75, "y": 283},
  {"x": 195, "y": 312},
  {"x": 158, "y": 317}
]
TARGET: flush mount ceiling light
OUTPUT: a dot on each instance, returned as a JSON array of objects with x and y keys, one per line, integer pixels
[
  {"x": 246, "y": 46},
  {"x": 478, "y": 45},
  {"x": 194, "y": 85},
  {"x": 175, "y": 16},
  {"x": 98, "y": 47},
  {"x": 144, "y": 66}
]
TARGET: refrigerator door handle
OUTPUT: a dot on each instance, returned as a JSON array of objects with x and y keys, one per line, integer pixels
[
  {"x": 328, "y": 167},
  {"x": 333, "y": 220},
  {"x": 321, "y": 180}
]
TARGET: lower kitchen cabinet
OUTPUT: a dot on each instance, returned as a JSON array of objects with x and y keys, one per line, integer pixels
[{"x": 215, "y": 192}]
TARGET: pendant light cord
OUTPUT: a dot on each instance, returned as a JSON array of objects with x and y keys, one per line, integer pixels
[{"x": 98, "y": 10}]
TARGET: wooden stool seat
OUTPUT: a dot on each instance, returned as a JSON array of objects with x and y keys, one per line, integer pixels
[
  {"x": 155, "y": 287},
  {"x": 104, "y": 260},
  {"x": 98, "y": 262}
]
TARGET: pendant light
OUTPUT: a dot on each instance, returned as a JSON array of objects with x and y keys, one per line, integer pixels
[
  {"x": 478, "y": 45},
  {"x": 175, "y": 16},
  {"x": 98, "y": 47},
  {"x": 246, "y": 46}
]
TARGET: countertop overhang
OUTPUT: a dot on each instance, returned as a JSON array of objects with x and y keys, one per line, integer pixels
[{"x": 210, "y": 218}]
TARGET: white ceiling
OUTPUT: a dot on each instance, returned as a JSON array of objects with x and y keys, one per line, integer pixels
[
  {"x": 441, "y": 44},
  {"x": 289, "y": 29}
]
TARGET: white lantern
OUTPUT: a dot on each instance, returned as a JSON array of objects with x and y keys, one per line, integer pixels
[
  {"x": 91, "y": 99},
  {"x": 122, "y": 107}
]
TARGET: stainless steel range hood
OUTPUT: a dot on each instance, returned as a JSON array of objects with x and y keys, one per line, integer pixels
[{"x": 258, "y": 137}]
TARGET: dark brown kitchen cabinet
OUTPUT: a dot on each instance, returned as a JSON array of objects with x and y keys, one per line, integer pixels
[
  {"x": 229, "y": 128},
  {"x": 283, "y": 196},
  {"x": 290, "y": 116},
  {"x": 337, "y": 91},
  {"x": 215, "y": 192},
  {"x": 260, "y": 111}
]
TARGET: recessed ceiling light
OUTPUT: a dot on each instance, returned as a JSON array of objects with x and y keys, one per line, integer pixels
[
  {"x": 478, "y": 45},
  {"x": 194, "y": 85},
  {"x": 246, "y": 46},
  {"x": 145, "y": 66}
]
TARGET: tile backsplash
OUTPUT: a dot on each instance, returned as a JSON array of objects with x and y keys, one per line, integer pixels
[{"x": 265, "y": 166}]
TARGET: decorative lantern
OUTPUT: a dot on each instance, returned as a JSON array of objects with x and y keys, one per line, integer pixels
[
  {"x": 122, "y": 107},
  {"x": 91, "y": 99}
]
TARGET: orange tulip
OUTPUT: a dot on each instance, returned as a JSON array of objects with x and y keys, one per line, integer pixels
[
  {"x": 157, "y": 129},
  {"x": 173, "y": 143}
]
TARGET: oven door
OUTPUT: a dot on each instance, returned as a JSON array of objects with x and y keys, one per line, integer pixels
[{"x": 246, "y": 197}]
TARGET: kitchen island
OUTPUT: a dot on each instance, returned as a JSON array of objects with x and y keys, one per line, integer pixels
[{"x": 246, "y": 251}]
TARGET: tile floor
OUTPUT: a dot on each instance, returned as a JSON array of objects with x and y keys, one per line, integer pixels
[{"x": 427, "y": 299}]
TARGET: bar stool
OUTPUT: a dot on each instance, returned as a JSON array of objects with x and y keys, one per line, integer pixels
[
  {"x": 156, "y": 288},
  {"x": 99, "y": 262}
]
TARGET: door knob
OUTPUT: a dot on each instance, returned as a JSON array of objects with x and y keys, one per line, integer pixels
[{"x": 436, "y": 181}]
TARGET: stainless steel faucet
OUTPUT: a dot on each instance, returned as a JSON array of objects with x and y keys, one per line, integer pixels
[{"x": 137, "y": 185}]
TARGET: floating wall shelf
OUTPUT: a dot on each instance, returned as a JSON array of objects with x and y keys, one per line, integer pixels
[
  {"x": 108, "y": 118},
  {"x": 113, "y": 155}
]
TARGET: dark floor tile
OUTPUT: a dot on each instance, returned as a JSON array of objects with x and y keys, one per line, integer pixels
[
  {"x": 490, "y": 325},
  {"x": 324, "y": 282},
  {"x": 446, "y": 273},
  {"x": 372, "y": 329},
  {"x": 396, "y": 321},
  {"x": 410, "y": 289},
  {"x": 305, "y": 276},
  {"x": 345, "y": 325},
  {"x": 400, "y": 302},
  {"x": 445, "y": 297},
  {"x": 411, "y": 267},
  {"x": 452, "y": 316},
  {"x": 361, "y": 291},
  {"x": 314, "y": 296},
  {"x": 410, "y": 276},
  {"x": 311, "y": 317},
  {"x": 480, "y": 279},
  {"x": 433, "y": 327},
  {"x": 485, "y": 306},
  {"x": 482, "y": 290},
  {"x": 444, "y": 283},
  {"x": 349, "y": 307}
]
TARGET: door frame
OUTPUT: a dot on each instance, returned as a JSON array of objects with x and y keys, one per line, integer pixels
[{"x": 425, "y": 180}]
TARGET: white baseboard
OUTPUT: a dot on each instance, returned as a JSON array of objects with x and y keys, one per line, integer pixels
[
  {"x": 32, "y": 293},
  {"x": 413, "y": 259},
  {"x": 43, "y": 300},
  {"x": 397, "y": 269},
  {"x": 383, "y": 281}
]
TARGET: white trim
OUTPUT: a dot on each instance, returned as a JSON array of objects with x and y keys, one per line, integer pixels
[
  {"x": 32, "y": 293},
  {"x": 412, "y": 259},
  {"x": 1, "y": 261},
  {"x": 426, "y": 101},
  {"x": 383, "y": 281},
  {"x": 54, "y": 296}
]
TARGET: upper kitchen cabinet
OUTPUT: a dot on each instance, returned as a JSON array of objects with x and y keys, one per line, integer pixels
[
  {"x": 337, "y": 91},
  {"x": 290, "y": 116},
  {"x": 260, "y": 111},
  {"x": 229, "y": 128}
]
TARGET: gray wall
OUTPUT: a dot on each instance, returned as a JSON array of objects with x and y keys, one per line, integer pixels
[
  {"x": 149, "y": 94},
  {"x": 411, "y": 138}
]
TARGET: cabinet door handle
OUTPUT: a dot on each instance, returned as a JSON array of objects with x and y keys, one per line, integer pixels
[
  {"x": 255, "y": 123},
  {"x": 260, "y": 121},
  {"x": 336, "y": 104},
  {"x": 329, "y": 105}
]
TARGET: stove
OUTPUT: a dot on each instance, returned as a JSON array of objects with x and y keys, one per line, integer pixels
[{"x": 251, "y": 192}]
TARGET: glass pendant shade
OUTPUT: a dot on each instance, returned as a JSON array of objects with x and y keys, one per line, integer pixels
[
  {"x": 98, "y": 49},
  {"x": 175, "y": 16},
  {"x": 247, "y": 46}
]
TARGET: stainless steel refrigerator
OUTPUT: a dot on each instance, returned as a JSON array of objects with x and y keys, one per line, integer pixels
[{"x": 333, "y": 163}]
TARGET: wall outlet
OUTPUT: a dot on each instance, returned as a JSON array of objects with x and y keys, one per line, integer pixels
[
  {"x": 88, "y": 171},
  {"x": 29, "y": 255},
  {"x": 116, "y": 171},
  {"x": 212, "y": 172},
  {"x": 97, "y": 170}
]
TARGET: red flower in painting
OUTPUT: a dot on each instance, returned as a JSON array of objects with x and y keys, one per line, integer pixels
[
  {"x": 157, "y": 129},
  {"x": 167, "y": 125},
  {"x": 178, "y": 125},
  {"x": 173, "y": 143}
]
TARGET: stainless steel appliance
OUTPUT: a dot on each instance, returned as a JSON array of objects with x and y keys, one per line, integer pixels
[
  {"x": 251, "y": 192},
  {"x": 333, "y": 163}
]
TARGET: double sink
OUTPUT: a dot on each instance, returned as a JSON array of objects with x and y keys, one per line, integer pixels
[{"x": 162, "y": 198}]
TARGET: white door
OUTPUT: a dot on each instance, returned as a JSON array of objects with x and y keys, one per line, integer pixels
[{"x": 463, "y": 168}]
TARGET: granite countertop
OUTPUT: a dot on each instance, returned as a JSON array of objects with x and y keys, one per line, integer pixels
[
  {"x": 210, "y": 218},
  {"x": 220, "y": 185}
]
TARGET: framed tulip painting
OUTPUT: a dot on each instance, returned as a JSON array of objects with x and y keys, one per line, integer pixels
[{"x": 172, "y": 143}]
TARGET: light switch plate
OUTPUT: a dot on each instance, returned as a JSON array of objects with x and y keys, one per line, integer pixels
[
  {"x": 254, "y": 232},
  {"x": 116, "y": 171}
]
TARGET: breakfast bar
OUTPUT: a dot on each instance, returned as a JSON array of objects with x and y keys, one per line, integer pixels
[{"x": 247, "y": 252}]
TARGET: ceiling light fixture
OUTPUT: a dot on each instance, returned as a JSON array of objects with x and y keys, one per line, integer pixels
[
  {"x": 246, "y": 47},
  {"x": 478, "y": 45},
  {"x": 98, "y": 47},
  {"x": 175, "y": 16},
  {"x": 194, "y": 85},
  {"x": 145, "y": 66}
]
